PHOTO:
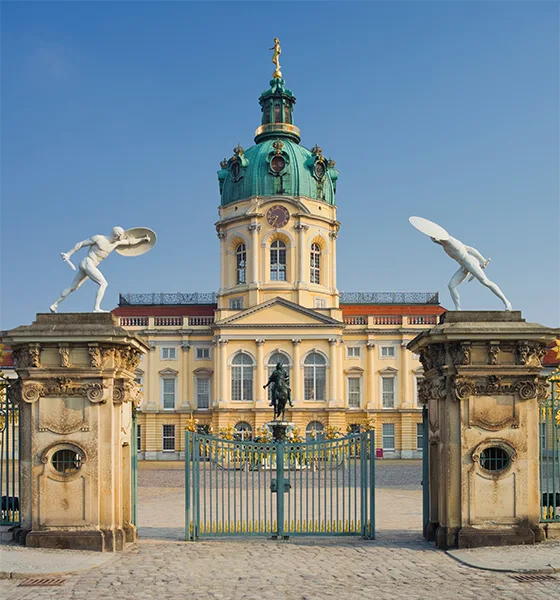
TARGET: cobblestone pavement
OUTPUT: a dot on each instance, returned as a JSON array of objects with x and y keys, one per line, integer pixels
[
  {"x": 399, "y": 564},
  {"x": 294, "y": 570}
]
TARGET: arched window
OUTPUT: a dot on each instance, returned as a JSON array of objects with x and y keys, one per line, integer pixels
[
  {"x": 315, "y": 377},
  {"x": 243, "y": 431},
  {"x": 278, "y": 261},
  {"x": 314, "y": 431},
  {"x": 315, "y": 263},
  {"x": 241, "y": 263},
  {"x": 242, "y": 378},
  {"x": 277, "y": 113},
  {"x": 275, "y": 358}
]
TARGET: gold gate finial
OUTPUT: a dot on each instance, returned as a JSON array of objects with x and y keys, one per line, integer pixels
[{"x": 276, "y": 59}]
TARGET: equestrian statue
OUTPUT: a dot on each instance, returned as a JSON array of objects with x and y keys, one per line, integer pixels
[{"x": 281, "y": 393}]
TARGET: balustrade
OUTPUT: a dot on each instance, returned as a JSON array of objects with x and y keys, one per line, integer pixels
[
  {"x": 133, "y": 321},
  {"x": 168, "y": 321}
]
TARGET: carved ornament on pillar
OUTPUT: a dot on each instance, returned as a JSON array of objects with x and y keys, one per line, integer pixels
[
  {"x": 254, "y": 227},
  {"x": 185, "y": 347},
  {"x": 61, "y": 386},
  {"x": 530, "y": 353},
  {"x": 296, "y": 341},
  {"x": 259, "y": 342},
  {"x": 301, "y": 227},
  {"x": 333, "y": 235},
  {"x": 152, "y": 346},
  {"x": 223, "y": 341},
  {"x": 462, "y": 353},
  {"x": 526, "y": 389},
  {"x": 64, "y": 351},
  {"x": 433, "y": 356},
  {"x": 222, "y": 235},
  {"x": 24, "y": 357},
  {"x": 127, "y": 358},
  {"x": 95, "y": 356},
  {"x": 126, "y": 391},
  {"x": 370, "y": 345},
  {"x": 333, "y": 341},
  {"x": 493, "y": 351}
]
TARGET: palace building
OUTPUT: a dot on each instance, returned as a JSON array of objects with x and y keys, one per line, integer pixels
[{"x": 278, "y": 301}]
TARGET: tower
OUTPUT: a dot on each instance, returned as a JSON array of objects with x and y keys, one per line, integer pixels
[{"x": 277, "y": 217}]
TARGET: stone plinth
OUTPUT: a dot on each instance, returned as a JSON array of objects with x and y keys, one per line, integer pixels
[
  {"x": 76, "y": 396},
  {"x": 482, "y": 385},
  {"x": 279, "y": 430}
]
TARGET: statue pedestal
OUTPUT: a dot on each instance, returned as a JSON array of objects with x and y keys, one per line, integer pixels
[
  {"x": 76, "y": 396},
  {"x": 482, "y": 386},
  {"x": 279, "y": 430}
]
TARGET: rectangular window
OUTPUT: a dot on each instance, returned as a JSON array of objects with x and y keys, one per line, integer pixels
[
  {"x": 388, "y": 386},
  {"x": 388, "y": 436},
  {"x": 168, "y": 393},
  {"x": 320, "y": 303},
  {"x": 387, "y": 351},
  {"x": 168, "y": 438},
  {"x": 354, "y": 392},
  {"x": 168, "y": 353},
  {"x": 203, "y": 353},
  {"x": 203, "y": 393},
  {"x": 236, "y": 303},
  {"x": 419, "y": 436},
  {"x": 138, "y": 437},
  {"x": 354, "y": 352}
]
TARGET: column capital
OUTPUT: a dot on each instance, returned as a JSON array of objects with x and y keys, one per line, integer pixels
[
  {"x": 296, "y": 341},
  {"x": 333, "y": 341},
  {"x": 370, "y": 345},
  {"x": 301, "y": 227},
  {"x": 222, "y": 235},
  {"x": 152, "y": 346},
  {"x": 254, "y": 227},
  {"x": 223, "y": 341},
  {"x": 185, "y": 347},
  {"x": 259, "y": 342},
  {"x": 333, "y": 235}
]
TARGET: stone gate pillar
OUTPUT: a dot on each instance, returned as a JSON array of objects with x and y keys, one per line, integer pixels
[
  {"x": 76, "y": 394},
  {"x": 482, "y": 385}
]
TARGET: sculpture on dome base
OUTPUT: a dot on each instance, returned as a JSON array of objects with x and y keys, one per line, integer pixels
[
  {"x": 132, "y": 242},
  {"x": 470, "y": 259}
]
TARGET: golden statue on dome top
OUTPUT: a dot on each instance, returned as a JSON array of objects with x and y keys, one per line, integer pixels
[{"x": 276, "y": 59}]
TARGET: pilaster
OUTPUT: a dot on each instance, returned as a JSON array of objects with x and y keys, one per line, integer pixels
[
  {"x": 297, "y": 393},
  {"x": 187, "y": 400}
]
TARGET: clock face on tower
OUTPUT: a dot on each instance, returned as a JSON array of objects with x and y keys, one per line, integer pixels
[{"x": 277, "y": 216}]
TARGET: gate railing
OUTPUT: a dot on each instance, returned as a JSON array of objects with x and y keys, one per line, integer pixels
[
  {"x": 323, "y": 487},
  {"x": 9, "y": 456},
  {"x": 549, "y": 440}
]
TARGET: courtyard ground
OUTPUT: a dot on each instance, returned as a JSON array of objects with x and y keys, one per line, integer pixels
[{"x": 399, "y": 564}]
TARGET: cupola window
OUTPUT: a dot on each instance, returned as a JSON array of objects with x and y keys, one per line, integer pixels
[
  {"x": 241, "y": 262},
  {"x": 315, "y": 263},
  {"x": 278, "y": 261},
  {"x": 277, "y": 113}
]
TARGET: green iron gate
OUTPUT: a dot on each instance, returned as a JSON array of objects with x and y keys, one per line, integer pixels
[
  {"x": 9, "y": 456},
  {"x": 279, "y": 489},
  {"x": 549, "y": 437}
]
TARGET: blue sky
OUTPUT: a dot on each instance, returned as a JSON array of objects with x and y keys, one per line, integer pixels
[{"x": 119, "y": 113}]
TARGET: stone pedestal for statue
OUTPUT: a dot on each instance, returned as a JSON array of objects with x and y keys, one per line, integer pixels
[
  {"x": 76, "y": 396},
  {"x": 482, "y": 385},
  {"x": 279, "y": 430}
]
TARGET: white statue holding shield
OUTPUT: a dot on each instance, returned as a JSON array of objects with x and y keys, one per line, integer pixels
[
  {"x": 470, "y": 259},
  {"x": 132, "y": 242}
]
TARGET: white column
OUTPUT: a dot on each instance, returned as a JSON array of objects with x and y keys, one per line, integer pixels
[
  {"x": 254, "y": 228},
  {"x": 334, "y": 374},
  {"x": 406, "y": 398},
  {"x": 372, "y": 389},
  {"x": 297, "y": 393},
  {"x": 301, "y": 252},
  {"x": 260, "y": 394},
  {"x": 187, "y": 402},
  {"x": 333, "y": 235},
  {"x": 223, "y": 260},
  {"x": 152, "y": 384},
  {"x": 223, "y": 379}
]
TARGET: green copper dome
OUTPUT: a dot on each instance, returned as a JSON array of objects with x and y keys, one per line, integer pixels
[{"x": 277, "y": 165}]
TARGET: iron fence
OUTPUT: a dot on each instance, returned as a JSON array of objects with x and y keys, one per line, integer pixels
[
  {"x": 9, "y": 456},
  {"x": 549, "y": 440}
]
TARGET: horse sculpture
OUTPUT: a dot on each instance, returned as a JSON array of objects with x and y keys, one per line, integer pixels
[{"x": 281, "y": 393}]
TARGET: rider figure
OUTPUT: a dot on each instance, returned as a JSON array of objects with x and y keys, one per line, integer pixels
[{"x": 280, "y": 380}]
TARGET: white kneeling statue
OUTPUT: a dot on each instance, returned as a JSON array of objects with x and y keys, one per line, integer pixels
[
  {"x": 470, "y": 259},
  {"x": 132, "y": 242}
]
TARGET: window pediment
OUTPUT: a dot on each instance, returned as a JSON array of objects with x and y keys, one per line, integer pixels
[
  {"x": 203, "y": 372},
  {"x": 354, "y": 371},
  {"x": 388, "y": 371},
  {"x": 168, "y": 372}
]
